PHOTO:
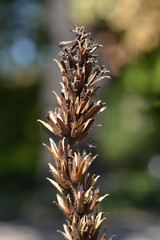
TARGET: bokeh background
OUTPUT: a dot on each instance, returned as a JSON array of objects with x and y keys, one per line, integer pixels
[{"x": 129, "y": 141}]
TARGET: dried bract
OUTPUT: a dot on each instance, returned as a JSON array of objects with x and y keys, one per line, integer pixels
[{"x": 72, "y": 121}]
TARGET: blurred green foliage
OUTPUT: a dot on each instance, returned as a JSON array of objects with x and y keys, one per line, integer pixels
[
  {"x": 133, "y": 111},
  {"x": 19, "y": 139},
  {"x": 19, "y": 148},
  {"x": 132, "y": 134},
  {"x": 22, "y": 55}
]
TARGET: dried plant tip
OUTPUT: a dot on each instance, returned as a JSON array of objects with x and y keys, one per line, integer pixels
[{"x": 72, "y": 121}]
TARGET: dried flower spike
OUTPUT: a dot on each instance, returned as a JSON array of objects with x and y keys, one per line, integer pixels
[{"x": 72, "y": 121}]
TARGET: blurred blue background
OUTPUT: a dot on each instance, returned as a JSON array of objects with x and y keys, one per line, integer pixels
[{"x": 129, "y": 141}]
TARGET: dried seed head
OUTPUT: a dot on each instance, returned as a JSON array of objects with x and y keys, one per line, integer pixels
[
  {"x": 77, "y": 106},
  {"x": 72, "y": 121}
]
